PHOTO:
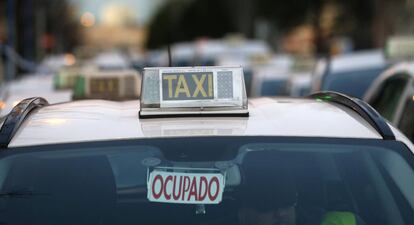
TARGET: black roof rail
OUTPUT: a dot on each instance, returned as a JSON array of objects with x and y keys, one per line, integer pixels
[
  {"x": 360, "y": 107},
  {"x": 16, "y": 117}
]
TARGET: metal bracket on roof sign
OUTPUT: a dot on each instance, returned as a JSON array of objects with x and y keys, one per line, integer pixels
[
  {"x": 16, "y": 117},
  {"x": 362, "y": 108}
]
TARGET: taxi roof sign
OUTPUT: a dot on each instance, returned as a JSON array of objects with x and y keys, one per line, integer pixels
[
  {"x": 192, "y": 91},
  {"x": 400, "y": 48},
  {"x": 120, "y": 84}
]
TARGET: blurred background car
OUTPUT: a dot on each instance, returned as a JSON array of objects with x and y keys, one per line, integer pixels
[
  {"x": 109, "y": 84},
  {"x": 392, "y": 95},
  {"x": 28, "y": 86},
  {"x": 350, "y": 73}
]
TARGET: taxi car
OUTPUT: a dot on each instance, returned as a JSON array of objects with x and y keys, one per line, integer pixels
[
  {"x": 25, "y": 87},
  {"x": 116, "y": 84},
  {"x": 194, "y": 150},
  {"x": 91, "y": 82},
  {"x": 351, "y": 73},
  {"x": 392, "y": 95}
]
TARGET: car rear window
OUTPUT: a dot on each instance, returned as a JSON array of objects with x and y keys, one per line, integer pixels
[
  {"x": 226, "y": 180},
  {"x": 353, "y": 83}
]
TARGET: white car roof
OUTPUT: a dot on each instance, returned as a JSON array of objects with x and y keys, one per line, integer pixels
[
  {"x": 95, "y": 120},
  {"x": 52, "y": 97}
]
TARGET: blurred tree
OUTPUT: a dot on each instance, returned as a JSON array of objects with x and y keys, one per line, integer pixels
[
  {"x": 392, "y": 17},
  {"x": 367, "y": 23},
  {"x": 36, "y": 27},
  {"x": 288, "y": 14},
  {"x": 184, "y": 20},
  {"x": 58, "y": 20},
  {"x": 37, "y": 24},
  {"x": 336, "y": 18}
]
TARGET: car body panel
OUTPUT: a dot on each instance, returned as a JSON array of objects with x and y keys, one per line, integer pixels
[{"x": 399, "y": 136}]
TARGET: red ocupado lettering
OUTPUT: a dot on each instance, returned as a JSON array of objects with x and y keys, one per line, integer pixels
[{"x": 185, "y": 188}]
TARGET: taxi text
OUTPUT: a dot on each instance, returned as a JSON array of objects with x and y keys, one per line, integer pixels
[{"x": 187, "y": 86}]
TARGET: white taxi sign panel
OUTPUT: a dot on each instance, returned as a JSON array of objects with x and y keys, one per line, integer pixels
[
  {"x": 193, "y": 90},
  {"x": 400, "y": 48},
  {"x": 185, "y": 188}
]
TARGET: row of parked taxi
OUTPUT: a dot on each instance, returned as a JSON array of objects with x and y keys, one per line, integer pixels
[
  {"x": 383, "y": 78},
  {"x": 194, "y": 149}
]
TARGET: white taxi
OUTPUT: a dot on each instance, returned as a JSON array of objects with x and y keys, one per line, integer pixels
[
  {"x": 350, "y": 73},
  {"x": 194, "y": 150},
  {"x": 392, "y": 95}
]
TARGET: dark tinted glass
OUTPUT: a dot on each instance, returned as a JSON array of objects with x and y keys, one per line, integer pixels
[
  {"x": 267, "y": 181},
  {"x": 406, "y": 123},
  {"x": 389, "y": 95}
]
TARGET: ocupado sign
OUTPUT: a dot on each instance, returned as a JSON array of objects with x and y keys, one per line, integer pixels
[{"x": 185, "y": 188}]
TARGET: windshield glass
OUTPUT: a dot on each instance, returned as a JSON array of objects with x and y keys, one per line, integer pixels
[{"x": 237, "y": 180}]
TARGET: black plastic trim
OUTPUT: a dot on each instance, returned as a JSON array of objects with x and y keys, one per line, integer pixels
[
  {"x": 16, "y": 117},
  {"x": 192, "y": 115},
  {"x": 362, "y": 108}
]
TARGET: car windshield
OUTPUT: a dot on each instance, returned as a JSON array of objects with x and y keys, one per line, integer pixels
[{"x": 214, "y": 180}]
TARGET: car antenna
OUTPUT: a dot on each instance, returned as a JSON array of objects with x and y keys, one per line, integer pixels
[{"x": 169, "y": 55}]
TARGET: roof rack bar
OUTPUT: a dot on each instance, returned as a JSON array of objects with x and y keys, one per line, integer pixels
[
  {"x": 362, "y": 108},
  {"x": 16, "y": 117}
]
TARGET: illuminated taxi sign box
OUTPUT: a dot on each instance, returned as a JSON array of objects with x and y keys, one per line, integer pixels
[
  {"x": 193, "y": 91},
  {"x": 67, "y": 77},
  {"x": 109, "y": 85},
  {"x": 400, "y": 48}
]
